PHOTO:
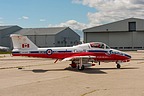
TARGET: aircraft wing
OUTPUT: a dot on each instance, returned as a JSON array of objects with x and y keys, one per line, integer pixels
[{"x": 78, "y": 57}]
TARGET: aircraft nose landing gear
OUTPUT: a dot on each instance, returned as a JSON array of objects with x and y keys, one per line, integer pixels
[{"x": 118, "y": 65}]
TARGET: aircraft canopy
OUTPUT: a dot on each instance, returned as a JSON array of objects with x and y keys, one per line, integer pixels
[{"x": 99, "y": 45}]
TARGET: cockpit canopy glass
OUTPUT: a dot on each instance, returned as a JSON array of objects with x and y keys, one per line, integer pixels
[{"x": 99, "y": 45}]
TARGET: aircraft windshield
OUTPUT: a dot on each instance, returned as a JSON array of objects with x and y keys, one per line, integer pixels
[
  {"x": 107, "y": 47},
  {"x": 99, "y": 45}
]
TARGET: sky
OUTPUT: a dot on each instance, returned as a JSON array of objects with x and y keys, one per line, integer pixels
[{"x": 76, "y": 14}]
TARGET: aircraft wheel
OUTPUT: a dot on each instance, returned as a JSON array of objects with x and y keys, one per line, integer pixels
[
  {"x": 118, "y": 66},
  {"x": 82, "y": 68}
]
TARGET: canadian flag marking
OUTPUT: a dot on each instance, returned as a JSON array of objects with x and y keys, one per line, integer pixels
[{"x": 25, "y": 45}]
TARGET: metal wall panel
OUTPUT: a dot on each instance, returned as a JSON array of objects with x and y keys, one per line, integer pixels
[
  {"x": 120, "y": 39},
  {"x": 67, "y": 38},
  {"x": 45, "y": 41},
  {"x": 6, "y": 41},
  {"x": 118, "y": 26},
  {"x": 32, "y": 38},
  {"x": 98, "y": 37},
  {"x": 118, "y": 35},
  {"x": 138, "y": 39},
  {"x": 42, "y": 40}
]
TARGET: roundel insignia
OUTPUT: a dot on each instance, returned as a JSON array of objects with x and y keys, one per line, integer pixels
[{"x": 49, "y": 51}]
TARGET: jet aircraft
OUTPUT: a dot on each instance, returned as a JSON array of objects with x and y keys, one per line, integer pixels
[{"x": 81, "y": 56}]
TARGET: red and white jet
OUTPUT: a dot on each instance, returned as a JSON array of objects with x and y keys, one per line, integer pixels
[{"x": 83, "y": 55}]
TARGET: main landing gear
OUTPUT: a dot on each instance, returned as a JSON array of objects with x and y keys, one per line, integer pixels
[
  {"x": 73, "y": 65},
  {"x": 79, "y": 65},
  {"x": 81, "y": 68}
]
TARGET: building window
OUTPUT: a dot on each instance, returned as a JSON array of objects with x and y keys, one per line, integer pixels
[
  {"x": 58, "y": 42},
  {"x": 137, "y": 47},
  {"x": 114, "y": 47},
  {"x": 127, "y": 47},
  {"x": 132, "y": 26},
  {"x": 120, "y": 47}
]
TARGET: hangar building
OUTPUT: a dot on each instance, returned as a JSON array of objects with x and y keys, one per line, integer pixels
[
  {"x": 127, "y": 34},
  {"x": 42, "y": 37},
  {"x": 51, "y": 37},
  {"x": 5, "y": 31}
]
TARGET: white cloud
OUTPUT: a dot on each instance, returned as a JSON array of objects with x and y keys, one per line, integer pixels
[
  {"x": 72, "y": 24},
  {"x": 24, "y": 18},
  {"x": 77, "y": 1},
  {"x": 138, "y": 1},
  {"x": 106, "y": 11},
  {"x": 42, "y": 20},
  {"x": 112, "y": 10}
]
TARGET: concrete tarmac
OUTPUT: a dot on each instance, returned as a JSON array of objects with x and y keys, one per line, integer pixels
[{"x": 23, "y": 76}]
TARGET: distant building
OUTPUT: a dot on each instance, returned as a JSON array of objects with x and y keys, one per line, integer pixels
[
  {"x": 42, "y": 37},
  {"x": 5, "y": 31},
  {"x": 126, "y": 34},
  {"x": 51, "y": 37}
]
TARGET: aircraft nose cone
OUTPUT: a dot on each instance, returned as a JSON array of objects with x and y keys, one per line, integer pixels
[{"x": 128, "y": 56}]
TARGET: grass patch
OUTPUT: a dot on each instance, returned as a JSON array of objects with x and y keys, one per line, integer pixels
[{"x": 5, "y": 52}]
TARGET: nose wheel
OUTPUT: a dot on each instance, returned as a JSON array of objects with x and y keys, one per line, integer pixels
[{"x": 118, "y": 66}]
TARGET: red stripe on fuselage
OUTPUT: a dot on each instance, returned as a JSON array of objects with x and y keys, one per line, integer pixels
[{"x": 100, "y": 56}]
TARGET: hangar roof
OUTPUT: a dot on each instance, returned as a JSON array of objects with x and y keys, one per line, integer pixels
[
  {"x": 5, "y": 27},
  {"x": 41, "y": 31},
  {"x": 118, "y": 26}
]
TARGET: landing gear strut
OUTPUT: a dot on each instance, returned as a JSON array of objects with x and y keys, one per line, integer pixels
[
  {"x": 99, "y": 62},
  {"x": 81, "y": 66}
]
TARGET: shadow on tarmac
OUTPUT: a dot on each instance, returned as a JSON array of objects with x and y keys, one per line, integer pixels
[
  {"x": 87, "y": 70},
  {"x": 96, "y": 70},
  {"x": 43, "y": 71}
]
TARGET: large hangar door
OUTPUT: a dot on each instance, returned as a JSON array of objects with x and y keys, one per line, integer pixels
[
  {"x": 98, "y": 37},
  {"x": 45, "y": 41},
  {"x": 138, "y": 40},
  {"x": 49, "y": 41},
  {"x": 120, "y": 39},
  {"x": 40, "y": 41},
  {"x": 32, "y": 38}
]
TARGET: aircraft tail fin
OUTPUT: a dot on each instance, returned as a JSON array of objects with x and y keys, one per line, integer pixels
[{"x": 22, "y": 42}]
